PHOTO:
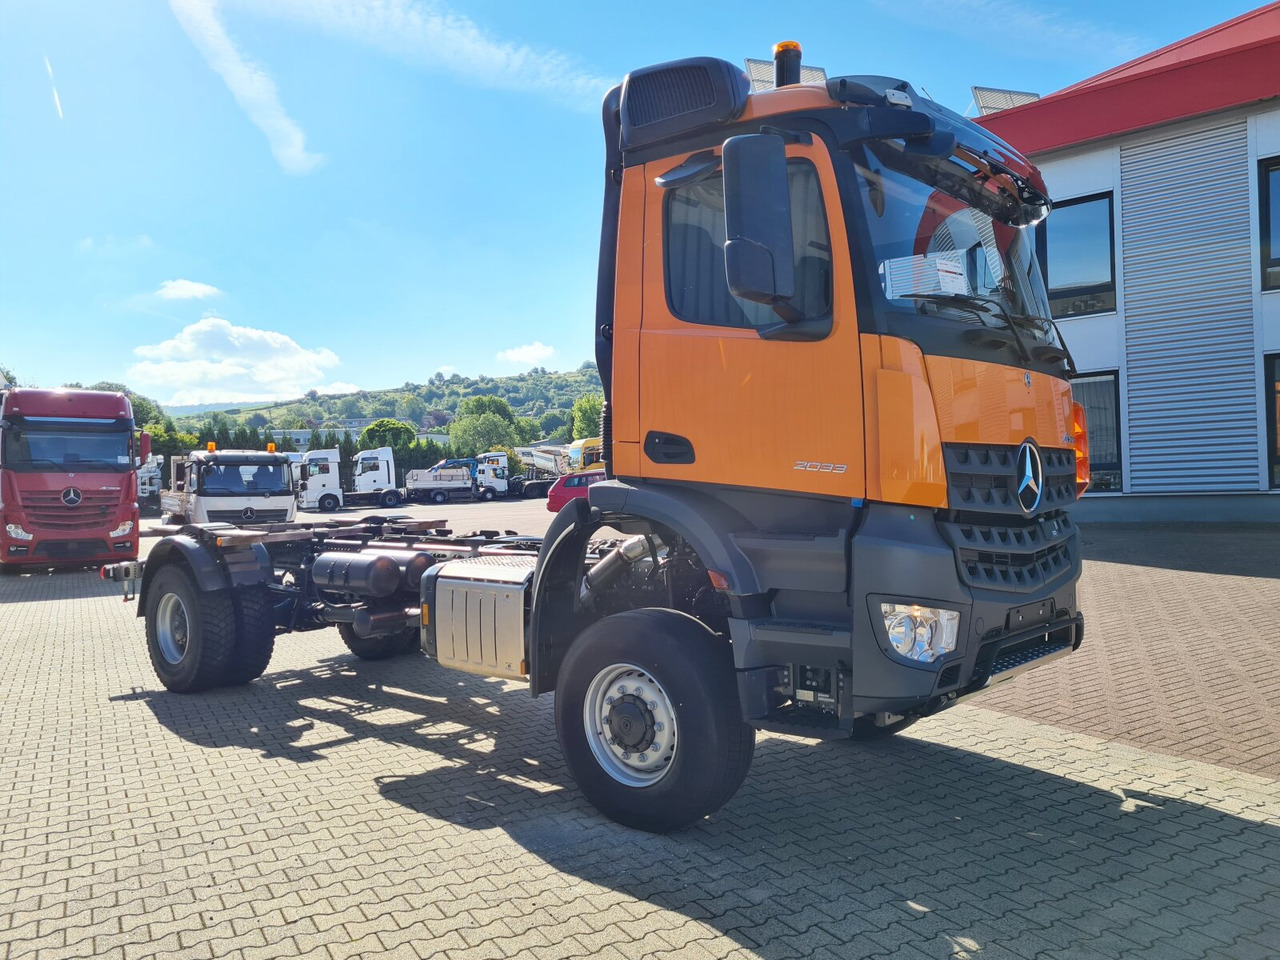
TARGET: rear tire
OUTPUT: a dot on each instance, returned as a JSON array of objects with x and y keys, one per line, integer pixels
[
  {"x": 681, "y": 697},
  {"x": 328, "y": 503},
  {"x": 255, "y": 635},
  {"x": 439, "y": 497},
  {"x": 190, "y": 632},
  {"x": 378, "y": 648},
  {"x": 389, "y": 498}
]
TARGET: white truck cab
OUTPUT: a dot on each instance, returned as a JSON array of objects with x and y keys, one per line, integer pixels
[
  {"x": 230, "y": 486},
  {"x": 373, "y": 480}
]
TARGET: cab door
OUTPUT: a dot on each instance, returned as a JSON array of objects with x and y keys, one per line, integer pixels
[{"x": 722, "y": 399}]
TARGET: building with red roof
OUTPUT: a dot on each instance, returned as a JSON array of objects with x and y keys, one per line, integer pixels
[{"x": 1165, "y": 176}]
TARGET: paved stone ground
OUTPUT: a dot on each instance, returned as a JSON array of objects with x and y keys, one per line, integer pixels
[{"x": 338, "y": 808}]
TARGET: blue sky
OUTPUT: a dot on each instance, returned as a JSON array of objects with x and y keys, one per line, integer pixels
[{"x": 245, "y": 199}]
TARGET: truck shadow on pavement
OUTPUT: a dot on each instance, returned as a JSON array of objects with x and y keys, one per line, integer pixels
[
  {"x": 1231, "y": 549},
  {"x": 850, "y": 846}
]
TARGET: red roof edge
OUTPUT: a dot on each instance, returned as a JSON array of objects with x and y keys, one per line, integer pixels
[{"x": 1177, "y": 91}]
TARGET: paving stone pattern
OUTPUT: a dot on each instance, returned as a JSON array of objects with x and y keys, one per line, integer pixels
[{"x": 337, "y": 808}]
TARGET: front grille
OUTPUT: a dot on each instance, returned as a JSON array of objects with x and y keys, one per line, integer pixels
[
  {"x": 1020, "y": 556},
  {"x": 71, "y": 549},
  {"x": 46, "y": 511},
  {"x": 983, "y": 478},
  {"x": 237, "y": 516}
]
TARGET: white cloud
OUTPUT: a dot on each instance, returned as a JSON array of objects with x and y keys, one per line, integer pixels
[
  {"x": 531, "y": 354},
  {"x": 213, "y": 360},
  {"x": 56, "y": 101},
  {"x": 111, "y": 246},
  {"x": 252, "y": 88},
  {"x": 186, "y": 290},
  {"x": 430, "y": 35}
]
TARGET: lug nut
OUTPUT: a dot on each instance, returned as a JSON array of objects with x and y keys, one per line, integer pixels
[
  {"x": 609, "y": 701},
  {"x": 658, "y": 726},
  {"x": 653, "y": 704},
  {"x": 622, "y": 688},
  {"x": 626, "y": 755},
  {"x": 642, "y": 758}
]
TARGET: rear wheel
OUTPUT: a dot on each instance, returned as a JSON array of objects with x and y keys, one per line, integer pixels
[
  {"x": 389, "y": 498},
  {"x": 190, "y": 632},
  {"x": 648, "y": 718},
  {"x": 255, "y": 635},
  {"x": 439, "y": 497},
  {"x": 378, "y": 648},
  {"x": 328, "y": 503}
]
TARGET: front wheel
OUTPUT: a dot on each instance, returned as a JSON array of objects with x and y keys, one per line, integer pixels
[
  {"x": 648, "y": 718},
  {"x": 190, "y": 632},
  {"x": 255, "y": 635},
  {"x": 487, "y": 494},
  {"x": 389, "y": 498},
  {"x": 328, "y": 503}
]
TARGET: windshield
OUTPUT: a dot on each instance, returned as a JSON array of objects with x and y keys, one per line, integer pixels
[
  {"x": 940, "y": 248},
  {"x": 54, "y": 445},
  {"x": 245, "y": 479}
]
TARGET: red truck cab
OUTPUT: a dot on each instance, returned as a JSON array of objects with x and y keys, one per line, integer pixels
[{"x": 68, "y": 477}]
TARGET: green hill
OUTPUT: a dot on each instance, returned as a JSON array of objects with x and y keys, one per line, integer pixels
[{"x": 430, "y": 405}]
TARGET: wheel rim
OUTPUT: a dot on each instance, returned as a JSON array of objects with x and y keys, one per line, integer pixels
[
  {"x": 630, "y": 724},
  {"x": 173, "y": 628}
]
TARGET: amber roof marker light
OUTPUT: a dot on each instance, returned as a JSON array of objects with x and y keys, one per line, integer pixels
[{"x": 786, "y": 63}]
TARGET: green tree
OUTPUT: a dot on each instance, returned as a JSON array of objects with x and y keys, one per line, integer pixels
[
  {"x": 350, "y": 407},
  {"x": 387, "y": 433},
  {"x": 412, "y": 409},
  {"x": 8, "y": 376},
  {"x": 527, "y": 430},
  {"x": 477, "y": 406},
  {"x": 480, "y": 434},
  {"x": 553, "y": 420},
  {"x": 316, "y": 441},
  {"x": 256, "y": 420},
  {"x": 586, "y": 415}
]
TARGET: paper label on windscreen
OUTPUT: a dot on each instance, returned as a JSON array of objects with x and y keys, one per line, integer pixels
[{"x": 951, "y": 276}]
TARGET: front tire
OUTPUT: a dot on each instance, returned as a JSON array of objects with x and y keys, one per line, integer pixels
[
  {"x": 649, "y": 721},
  {"x": 255, "y": 635},
  {"x": 487, "y": 494},
  {"x": 328, "y": 503},
  {"x": 190, "y": 632},
  {"x": 389, "y": 498}
]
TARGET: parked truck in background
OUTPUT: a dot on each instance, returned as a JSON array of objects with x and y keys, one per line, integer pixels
[
  {"x": 840, "y": 440},
  {"x": 150, "y": 482},
  {"x": 230, "y": 486},
  {"x": 320, "y": 488},
  {"x": 68, "y": 477}
]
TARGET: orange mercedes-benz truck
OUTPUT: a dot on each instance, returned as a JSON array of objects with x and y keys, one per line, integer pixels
[{"x": 840, "y": 441}]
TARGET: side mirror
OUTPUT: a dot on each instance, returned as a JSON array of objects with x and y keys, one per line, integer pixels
[
  {"x": 144, "y": 446},
  {"x": 179, "y": 486},
  {"x": 302, "y": 485},
  {"x": 759, "y": 263}
]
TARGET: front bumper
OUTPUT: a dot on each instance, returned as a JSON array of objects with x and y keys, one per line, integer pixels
[{"x": 904, "y": 555}]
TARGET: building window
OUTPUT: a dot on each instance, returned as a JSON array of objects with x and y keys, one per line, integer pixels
[
  {"x": 1077, "y": 245},
  {"x": 1268, "y": 220},
  {"x": 1100, "y": 395},
  {"x": 1271, "y": 366},
  {"x": 695, "y": 235}
]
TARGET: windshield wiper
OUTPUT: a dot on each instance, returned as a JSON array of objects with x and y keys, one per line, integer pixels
[{"x": 975, "y": 304}]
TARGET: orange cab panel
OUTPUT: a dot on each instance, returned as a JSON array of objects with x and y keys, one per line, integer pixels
[{"x": 719, "y": 403}]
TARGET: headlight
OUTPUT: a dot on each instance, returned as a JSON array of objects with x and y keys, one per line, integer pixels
[
  {"x": 920, "y": 633},
  {"x": 123, "y": 530},
  {"x": 15, "y": 530}
]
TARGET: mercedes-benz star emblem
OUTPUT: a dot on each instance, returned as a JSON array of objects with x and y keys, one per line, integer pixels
[
  {"x": 72, "y": 497},
  {"x": 248, "y": 513},
  {"x": 1030, "y": 476}
]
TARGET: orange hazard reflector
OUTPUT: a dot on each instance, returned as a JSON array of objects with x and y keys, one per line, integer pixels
[
  {"x": 426, "y": 615},
  {"x": 718, "y": 579},
  {"x": 1080, "y": 433}
]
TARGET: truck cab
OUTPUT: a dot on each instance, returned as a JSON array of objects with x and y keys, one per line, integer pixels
[
  {"x": 68, "y": 477},
  {"x": 230, "y": 486}
]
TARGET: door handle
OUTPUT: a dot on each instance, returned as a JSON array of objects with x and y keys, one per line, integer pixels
[{"x": 667, "y": 448}]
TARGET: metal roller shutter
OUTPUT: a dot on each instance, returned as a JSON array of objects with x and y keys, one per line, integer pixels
[{"x": 1192, "y": 394}]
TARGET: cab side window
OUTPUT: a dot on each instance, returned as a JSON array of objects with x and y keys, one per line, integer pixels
[{"x": 694, "y": 253}]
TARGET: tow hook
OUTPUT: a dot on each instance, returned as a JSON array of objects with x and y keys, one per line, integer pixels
[{"x": 127, "y": 574}]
